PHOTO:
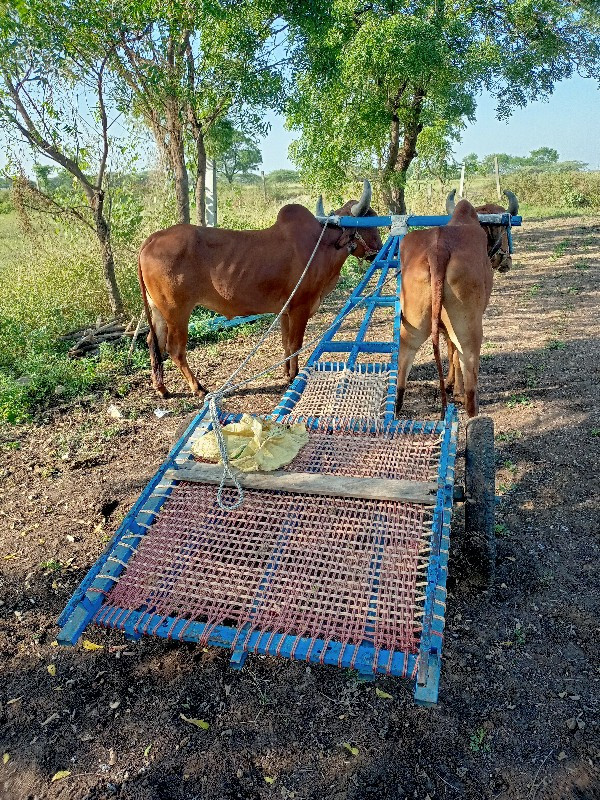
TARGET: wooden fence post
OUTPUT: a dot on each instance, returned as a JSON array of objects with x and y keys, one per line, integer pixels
[
  {"x": 461, "y": 188},
  {"x": 211, "y": 193},
  {"x": 497, "y": 171}
]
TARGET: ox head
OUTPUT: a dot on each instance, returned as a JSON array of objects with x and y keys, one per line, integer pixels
[
  {"x": 498, "y": 244},
  {"x": 361, "y": 242}
]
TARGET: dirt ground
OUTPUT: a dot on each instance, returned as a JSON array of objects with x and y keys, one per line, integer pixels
[{"x": 518, "y": 711}]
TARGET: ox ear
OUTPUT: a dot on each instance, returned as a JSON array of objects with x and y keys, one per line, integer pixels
[
  {"x": 450, "y": 204},
  {"x": 360, "y": 209},
  {"x": 513, "y": 203},
  {"x": 320, "y": 210}
]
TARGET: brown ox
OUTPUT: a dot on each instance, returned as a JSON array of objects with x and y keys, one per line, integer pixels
[
  {"x": 499, "y": 252},
  {"x": 237, "y": 273},
  {"x": 446, "y": 282},
  {"x": 498, "y": 245}
]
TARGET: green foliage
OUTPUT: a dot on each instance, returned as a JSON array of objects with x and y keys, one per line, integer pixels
[
  {"x": 237, "y": 155},
  {"x": 379, "y": 83},
  {"x": 283, "y": 176},
  {"x": 6, "y": 203},
  {"x": 540, "y": 193},
  {"x": 478, "y": 742},
  {"x": 544, "y": 159},
  {"x": 49, "y": 286},
  {"x": 243, "y": 207}
]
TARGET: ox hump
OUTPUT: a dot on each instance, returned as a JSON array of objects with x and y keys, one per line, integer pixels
[
  {"x": 295, "y": 214},
  {"x": 464, "y": 214}
]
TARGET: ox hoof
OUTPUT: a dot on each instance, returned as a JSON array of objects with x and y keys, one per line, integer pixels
[
  {"x": 399, "y": 401},
  {"x": 164, "y": 393}
]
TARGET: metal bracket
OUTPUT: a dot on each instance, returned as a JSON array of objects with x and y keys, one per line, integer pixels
[
  {"x": 458, "y": 494},
  {"x": 332, "y": 219},
  {"x": 428, "y": 679},
  {"x": 399, "y": 225},
  {"x": 238, "y": 658}
]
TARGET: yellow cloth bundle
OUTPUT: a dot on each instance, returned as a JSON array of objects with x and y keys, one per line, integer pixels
[{"x": 254, "y": 444}]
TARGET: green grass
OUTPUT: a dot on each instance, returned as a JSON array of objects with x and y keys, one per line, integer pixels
[
  {"x": 478, "y": 741},
  {"x": 555, "y": 344},
  {"x": 518, "y": 400},
  {"x": 51, "y": 282}
]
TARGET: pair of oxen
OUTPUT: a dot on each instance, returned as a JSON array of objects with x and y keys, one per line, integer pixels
[{"x": 446, "y": 283}]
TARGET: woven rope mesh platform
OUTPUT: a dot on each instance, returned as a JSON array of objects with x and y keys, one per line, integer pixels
[
  {"x": 320, "y": 567},
  {"x": 344, "y": 393},
  {"x": 401, "y": 453}
]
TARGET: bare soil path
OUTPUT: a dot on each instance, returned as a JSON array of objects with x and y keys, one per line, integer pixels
[{"x": 518, "y": 712}]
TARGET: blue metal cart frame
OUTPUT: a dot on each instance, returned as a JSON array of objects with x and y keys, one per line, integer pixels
[{"x": 425, "y": 666}]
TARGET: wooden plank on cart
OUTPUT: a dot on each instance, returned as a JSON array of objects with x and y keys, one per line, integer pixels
[{"x": 403, "y": 491}]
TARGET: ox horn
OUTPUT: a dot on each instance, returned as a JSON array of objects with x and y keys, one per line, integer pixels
[
  {"x": 359, "y": 209},
  {"x": 513, "y": 203},
  {"x": 320, "y": 210},
  {"x": 450, "y": 204}
]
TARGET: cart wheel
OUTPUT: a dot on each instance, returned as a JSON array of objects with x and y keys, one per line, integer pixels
[{"x": 480, "y": 479}]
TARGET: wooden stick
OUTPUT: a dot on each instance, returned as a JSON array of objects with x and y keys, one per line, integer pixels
[
  {"x": 497, "y": 173},
  {"x": 108, "y": 326},
  {"x": 135, "y": 335},
  {"x": 403, "y": 491}
]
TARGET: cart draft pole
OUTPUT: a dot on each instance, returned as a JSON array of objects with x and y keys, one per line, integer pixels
[{"x": 211, "y": 193}]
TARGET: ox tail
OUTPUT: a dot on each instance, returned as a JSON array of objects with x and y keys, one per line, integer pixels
[
  {"x": 438, "y": 263},
  {"x": 156, "y": 355}
]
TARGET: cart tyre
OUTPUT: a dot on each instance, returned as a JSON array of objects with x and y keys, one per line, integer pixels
[{"x": 480, "y": 484}]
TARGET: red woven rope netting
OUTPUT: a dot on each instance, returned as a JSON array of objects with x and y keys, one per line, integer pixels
[{"x": 339, "y": 569}]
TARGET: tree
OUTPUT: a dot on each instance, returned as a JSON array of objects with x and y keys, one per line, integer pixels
[
  {"x": 41, "y": 66},
  {"x": 283, "y": 176},
  {"x": 239, "y": 155},
  {"x": 189, "y": 68},
  {"x": 374, "y": 78},
  {"x": 42, "y": 176},
  {"x": 543, "y": 156}
]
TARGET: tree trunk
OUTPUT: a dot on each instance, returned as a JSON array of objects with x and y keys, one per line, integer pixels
[
  {"x": 108, "y": 261},
  {"x": 395, "y": 172},
  {"x": 182, "y": 188},
  {"x": 174, "y": 148},
  {"x": 200, "y": 177}
]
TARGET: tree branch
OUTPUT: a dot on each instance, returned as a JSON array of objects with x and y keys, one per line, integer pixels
[{"x": 33, "y": 136}]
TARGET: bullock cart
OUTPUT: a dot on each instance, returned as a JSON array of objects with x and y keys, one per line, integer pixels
[{"x": 339, "y": 558}]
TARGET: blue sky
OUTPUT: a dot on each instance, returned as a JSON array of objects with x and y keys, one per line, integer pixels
[{"x": 569, "y": 121}]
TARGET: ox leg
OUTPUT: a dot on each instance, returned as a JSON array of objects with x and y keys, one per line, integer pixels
[
  {"x": 451, "y": 376},
  {"x": 467, "y": 335},
  {"x": 459, "y": 385},
  {"x": 176, "y": 345},
  {"x": 285, "y": 338},
  {"x": 157, "y": 352},
  {"x": 298, "y": 318},
  {"x": 411, "y": 339},
  {"x": 469, "y": 364}
]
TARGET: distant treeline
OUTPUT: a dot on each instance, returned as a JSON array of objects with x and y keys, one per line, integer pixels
[{"x": 544, "y": 159}]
